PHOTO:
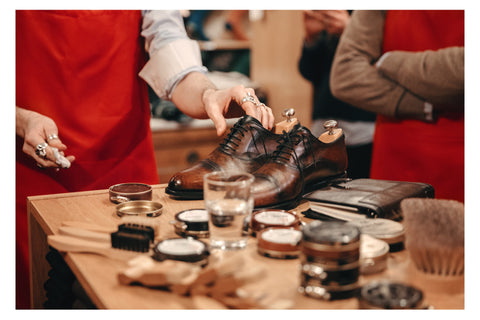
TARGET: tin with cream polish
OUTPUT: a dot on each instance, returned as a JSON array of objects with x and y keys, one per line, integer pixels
[
  {"x": 279, "y": 243},
  {"x": 268, "y": 218},
  {"x": 191, "y": 223},
  {"x": 182, "y": 249}
]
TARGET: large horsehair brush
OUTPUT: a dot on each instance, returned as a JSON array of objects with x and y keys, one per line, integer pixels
[{"x": 434, "y": 232}]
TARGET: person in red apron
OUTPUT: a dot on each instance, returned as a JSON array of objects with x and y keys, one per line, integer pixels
[
  {"x": 81, "y": 104},
  {"x": 408, "y": 67}
]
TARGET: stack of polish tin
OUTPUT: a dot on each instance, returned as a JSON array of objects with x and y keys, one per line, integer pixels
[{"x": 330, "y": 253}]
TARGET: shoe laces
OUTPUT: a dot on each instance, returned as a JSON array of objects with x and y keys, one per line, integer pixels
[
  {"x": 286, "y": 149},
  {"x": 236, "y": 135}
]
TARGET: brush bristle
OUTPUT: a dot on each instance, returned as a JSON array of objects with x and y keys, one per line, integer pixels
[
  {"x": 434, "y": 231},
  {"x": 130, "y": 241}
]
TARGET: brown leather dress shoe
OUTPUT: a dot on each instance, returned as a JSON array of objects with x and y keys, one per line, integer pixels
[
  {"x": 300, "y": 164},
  {"x": 245, "y": 149}
]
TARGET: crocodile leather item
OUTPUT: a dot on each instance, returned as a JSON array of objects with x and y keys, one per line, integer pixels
[
  {"x": 245, "y": 149},
  {"x": 300, "y": 164}
]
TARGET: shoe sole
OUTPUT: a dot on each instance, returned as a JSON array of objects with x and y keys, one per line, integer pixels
[
  {"x": 287, "y": 205},
  {"x": 185, "y": 195}
]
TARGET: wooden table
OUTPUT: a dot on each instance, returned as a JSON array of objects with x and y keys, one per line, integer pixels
[{"x": 98, "y": 274}]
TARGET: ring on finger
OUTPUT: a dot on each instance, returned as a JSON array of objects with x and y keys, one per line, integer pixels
[
  {"x": 41, "y": 150},
  {"x": 248, "y": 98},
  {"x": 52, "y": 136}
]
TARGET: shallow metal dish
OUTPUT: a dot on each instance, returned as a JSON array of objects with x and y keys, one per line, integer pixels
[{"x": 144, "y": 208}]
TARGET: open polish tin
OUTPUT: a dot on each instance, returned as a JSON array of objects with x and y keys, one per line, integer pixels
[
  {"x": 182, "y": 249},
  {"x": 124, "y": 192},
  {"x": 270, "y": 218},
  {"x": 279, "y": 243},
  {"x": 191, "y": 223}
]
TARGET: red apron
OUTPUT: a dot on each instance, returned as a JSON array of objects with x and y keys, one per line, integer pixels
[
  {"x": 80, "y": 68},
  {"x": 410, "y": 150}
]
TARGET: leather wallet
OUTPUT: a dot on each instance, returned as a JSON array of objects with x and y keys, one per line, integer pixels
[{"x": 372, "y": 197}]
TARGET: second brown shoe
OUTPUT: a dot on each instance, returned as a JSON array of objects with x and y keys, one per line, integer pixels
[
  {"x": 245, "y": 149},
  {"x": 300, "y": 164}
]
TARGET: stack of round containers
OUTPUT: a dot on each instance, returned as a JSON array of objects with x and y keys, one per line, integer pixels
[{"x": 330, "y": 253}]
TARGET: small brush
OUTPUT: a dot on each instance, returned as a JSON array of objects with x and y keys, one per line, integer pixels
[
  {"x": 434, "y": 231},
  {"x": 79, "y": 238},
  {"x": 99, "y": 233}
]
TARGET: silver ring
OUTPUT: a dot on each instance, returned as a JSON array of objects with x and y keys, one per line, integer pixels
[
  {"x": 52, "y": 136},
  {"x": 248, "y": 98},
  {"x": 41, "y": 150}
]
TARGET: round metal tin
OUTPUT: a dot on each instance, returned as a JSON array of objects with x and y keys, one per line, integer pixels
[
  {"x": 268, "y": 218},
  {"x": 389, "y": 295},
  {"x": 373, "y": 254},
  {"x": 280, "y": 243},
  {"x": 181, "y": 249},
  {"x": 124, "y": 192},
  {"x": 192, "y": 223},
  {"x": 145, "y": 208}
]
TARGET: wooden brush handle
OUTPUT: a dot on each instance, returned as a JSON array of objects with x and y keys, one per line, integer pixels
[
  {"x": 89, "y": 226},
  {"x": 85, "y": 234},
  {"x": 71, "y": 244}
]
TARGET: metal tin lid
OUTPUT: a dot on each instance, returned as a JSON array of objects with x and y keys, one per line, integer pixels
[
  {"x": 181, "y": 249},
  {"x": 388, "y": 295},
  {"x": 144, "y": 208},
  {"x": 334, "y": 233},
  {"x": 279, "y": 242}
]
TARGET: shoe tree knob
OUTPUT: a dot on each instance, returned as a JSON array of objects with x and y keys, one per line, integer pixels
[
  {"x": 330, "y": 126},
  {"x": 288, "y": 123},
  {"x": 332, "y": 131},
  {"x": 289, "y": 113}
]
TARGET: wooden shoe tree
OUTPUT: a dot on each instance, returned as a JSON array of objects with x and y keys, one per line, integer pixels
[
  {"x": 332, "y": 132},
  {"x": 287, "y": 124}
]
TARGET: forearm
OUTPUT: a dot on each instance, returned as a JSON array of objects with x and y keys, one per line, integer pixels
[
  {"x": 172, "y": 54},
  {"x": 354, "y": 77},
  {"x": 188, "y": 94},
  {"x": 436, "y": 76}
]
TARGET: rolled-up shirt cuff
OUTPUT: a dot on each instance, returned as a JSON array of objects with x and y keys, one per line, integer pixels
[{"x": 170, "y": 64}]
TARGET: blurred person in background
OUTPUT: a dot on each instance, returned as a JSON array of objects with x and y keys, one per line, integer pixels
[
  {"x": 323, "y": 29},
  {"x": 407, "y": 66}
]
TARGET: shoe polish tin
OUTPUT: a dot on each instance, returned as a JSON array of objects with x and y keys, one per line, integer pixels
[
  {"x": 279, "y": 243},
  {"x": 182, "y": 249},
  {"x": 373, "y": 254},
  {"x": 330, "y": 253},
  {"x": 124, "y": 192},
  {"x": 389, "y": 295},
  {"x": 268, "y": 218},
  {"x": 191, "y": 223}
]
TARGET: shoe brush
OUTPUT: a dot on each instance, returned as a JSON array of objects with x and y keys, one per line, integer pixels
[
  {"x": 78, "y": 237},
  {"x": 434, "y": 231}
]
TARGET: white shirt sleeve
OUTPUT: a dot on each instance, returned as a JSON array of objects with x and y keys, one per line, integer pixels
[{"x": 172, "y": 54}]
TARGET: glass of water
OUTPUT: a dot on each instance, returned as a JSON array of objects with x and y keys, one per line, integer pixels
[{"x": 228, "y": 201}]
